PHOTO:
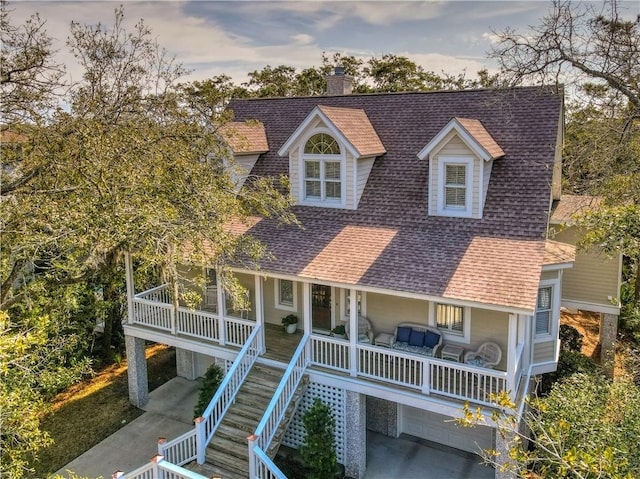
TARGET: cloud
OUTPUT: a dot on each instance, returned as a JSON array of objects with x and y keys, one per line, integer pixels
[
  {"x": 492, "y": 37},
  {"x": 302, "y": 39}
]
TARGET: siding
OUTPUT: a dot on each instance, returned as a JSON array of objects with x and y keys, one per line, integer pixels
[
  {"x": 486, "y": 326},
  {"x": 294, "y": 177},
  {"x": 593, "y": 278},
  {"x": 363, "y": 168},
  {"x": 454, "y": 146},
  {"x": 271, "y": 313},
  {"x": 386, "y": 311},
  {"x": 545, "y": 275},
  {"x": 349, "y": 180},
  {"x": 543, "y": 352},
  {"x": 487, "y": 165},
  {"x": 244, "y": 165}
]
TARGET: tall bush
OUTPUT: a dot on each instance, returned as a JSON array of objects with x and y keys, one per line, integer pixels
[
  {"x": 319, "y": 449},
  {"x": 212, "y": 379}
]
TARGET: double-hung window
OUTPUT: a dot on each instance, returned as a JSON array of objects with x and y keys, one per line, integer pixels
[
  {"x": 322, "y": 172},
  {"x": 455, "y": 186},
  {"x": 544, "y": 311}
]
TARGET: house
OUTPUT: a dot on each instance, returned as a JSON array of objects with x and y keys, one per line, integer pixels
[{"x": 426, "y": 233}]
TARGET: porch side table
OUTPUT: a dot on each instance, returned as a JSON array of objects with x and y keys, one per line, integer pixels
[
  {"x": 383, "y": 339},
  {"x": 452, "y": 352}
]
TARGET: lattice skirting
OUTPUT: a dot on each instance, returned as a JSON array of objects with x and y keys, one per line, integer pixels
[{"x": 332, "y": 396}]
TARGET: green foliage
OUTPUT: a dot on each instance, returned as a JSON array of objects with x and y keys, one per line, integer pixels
[
  {"x": 569, "y": 363},
  {"x": 210, "y": 383},
  {"x": 319, "y": 450},
  {"x": 290, "y": 319},
  {"x": 570, "y": 338},
  {"x": 340, "y": 329}
]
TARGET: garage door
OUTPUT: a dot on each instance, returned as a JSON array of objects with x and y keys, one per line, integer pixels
[{"x": 444, "y": 430}]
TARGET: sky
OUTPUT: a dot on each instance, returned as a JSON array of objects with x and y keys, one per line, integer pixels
[{"x": 236, "y": 37}]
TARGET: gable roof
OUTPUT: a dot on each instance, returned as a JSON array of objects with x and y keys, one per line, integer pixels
[
  {"x": 472, "y": 133},
  {"x": 390, "y": 242},
  {"x": 557, "y": 253},
  {"x": 351, "y": 125},
  {"x": 245, "y": 137}
]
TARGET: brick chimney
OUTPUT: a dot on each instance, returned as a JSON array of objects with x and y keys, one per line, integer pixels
[{"x": 339, "y": 83}]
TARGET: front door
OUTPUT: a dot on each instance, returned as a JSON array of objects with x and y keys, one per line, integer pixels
[{"x": 321, "y": 307}]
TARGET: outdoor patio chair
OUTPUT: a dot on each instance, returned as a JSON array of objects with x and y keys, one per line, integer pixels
[
  {"x": 488, "y": 355},
  {"x": 365, "y": 330}
]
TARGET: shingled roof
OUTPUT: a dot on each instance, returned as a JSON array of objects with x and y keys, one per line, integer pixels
[
  {"x": 245, "y": 137},
  {"x": 390, "y": 242}
]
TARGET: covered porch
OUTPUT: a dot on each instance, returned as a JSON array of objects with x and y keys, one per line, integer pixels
[{"x": 222, "y": 332}]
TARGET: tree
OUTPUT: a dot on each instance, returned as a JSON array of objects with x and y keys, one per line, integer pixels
[
  {"x": 319, "y": 450},
  {"x": 29, "y": 77},
  {"x": 583, "y": 430}
]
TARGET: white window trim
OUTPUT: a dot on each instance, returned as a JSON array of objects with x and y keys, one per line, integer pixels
[
  {"x": 441, "y": 209},
  {"x": 282, "y": 306},
  {"x": 344, "y": 297},
  {"x": 302, "y": 156},
  {"x": 552, "y": 335},
  {"x": 465, "y": 337}
]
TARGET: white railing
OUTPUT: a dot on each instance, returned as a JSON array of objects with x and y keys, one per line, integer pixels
[
  {"x": 516, "y": 372},
  {"x": 237, "y": 331},
  {"x": 277, "y": 408},
  {"x": 181, "y": 450},
  {"x": 391, "y": 366},
  {"x": 330, "y": 352},
  {"x": 160, "y": 294},
  {"x": 159, "y": 468},
  {"x": 198, "y": 324},
  {"x": 153, "y": 314},
  {"x": 225, "y": 395},
  {"x": 465, "y": 382},
  {"x": 263, "y": 467}
]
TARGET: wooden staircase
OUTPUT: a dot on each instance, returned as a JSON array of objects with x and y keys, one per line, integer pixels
[{"x": 227, "y": 455}]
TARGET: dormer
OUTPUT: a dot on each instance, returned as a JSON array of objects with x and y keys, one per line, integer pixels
[
  {"x": 460, "y": 159},
  {"x": 247, "y": 141},
  {"x": 331, "y": 154}
]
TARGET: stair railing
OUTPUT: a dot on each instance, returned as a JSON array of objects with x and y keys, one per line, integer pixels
[
  {"x": 260, "y": 466},
  {"x": 208, "y": 423}
]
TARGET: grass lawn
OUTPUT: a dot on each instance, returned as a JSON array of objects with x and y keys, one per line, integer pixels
[{"x": 92, "y": 410}]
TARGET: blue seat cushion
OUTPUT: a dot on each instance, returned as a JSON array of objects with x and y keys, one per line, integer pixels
[
  {"x": 431, "y": 339},
  {"x": 403, "y": 334},
  {"x": 416, "y": 338}
]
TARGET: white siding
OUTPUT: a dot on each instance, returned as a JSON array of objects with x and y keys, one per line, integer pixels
[
  {"x": 294, "y": 175},
  {"x": 271, "y": 313},
  {"x": 486, "y": 177},
  {"x": 363, "y": 169},
  {"x": 349, "y": 180}
]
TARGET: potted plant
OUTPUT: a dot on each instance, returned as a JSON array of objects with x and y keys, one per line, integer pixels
[
  {"x": 290, "y": 323},
  {"x": 339, "y": 331}
]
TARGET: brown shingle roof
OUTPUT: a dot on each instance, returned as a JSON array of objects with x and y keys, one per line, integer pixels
[
  {"x": 245, "y": 137},
  {"x": 390, "y": 242},
  {"x": 354, "y": 124},
  {"x": 570, "y": 205},
  {"x": 558, "y": 253},
  {"x": 482, "y": 136}
]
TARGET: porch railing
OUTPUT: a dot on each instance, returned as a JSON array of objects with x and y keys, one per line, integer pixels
[
  {"x": 225, "y": 395},
  {"x": 181, "y": 450},
  {"x": 427, "y": 375},
  {"x": 159, "y": 468},
  {"x": 261, "y": 466},
  {"x": 154, "y": 309}
]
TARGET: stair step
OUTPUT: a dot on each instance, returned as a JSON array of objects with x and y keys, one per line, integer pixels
[
  {"x": 220, "y": 458},
  {"x": 211, "y": 470},
  {"x": 229, "y": 446},
  {"x": 244, "y": 413},
  {"x": 234, "y": 433}
]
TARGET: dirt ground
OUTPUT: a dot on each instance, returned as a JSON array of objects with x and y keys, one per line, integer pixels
[{"x": 587, "y": 324}]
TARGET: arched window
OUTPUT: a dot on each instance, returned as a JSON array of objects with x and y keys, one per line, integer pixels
[{"x": 322, "y": 169}]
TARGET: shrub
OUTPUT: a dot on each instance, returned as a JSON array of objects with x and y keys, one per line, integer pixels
[
  {"x": 319, "y": 449},
  {"x": 212, "y": 379},
  {"x": 570, "y": 338},
  {"x": 569, "y": 363}
]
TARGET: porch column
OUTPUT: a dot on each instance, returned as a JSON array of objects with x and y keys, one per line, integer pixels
[
  {"x": 353, "y": 333},
  {"x": 136, "y": 371},
  {"x": 504, "y": 440},
  {"x": 186, "y": 364},
  {"x": 306, "y": 307},
  {"x": 512, "y": 346},
  {"x": 131, "y": 290},
  {"x": 259, "y": 310},
  {"x": 222, "y": 310},
  {"x": 355, "y": 434},
  {"x": 608, "y": 334}
]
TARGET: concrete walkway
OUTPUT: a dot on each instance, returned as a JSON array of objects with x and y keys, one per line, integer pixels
[{"x": 168, "y": 414}]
